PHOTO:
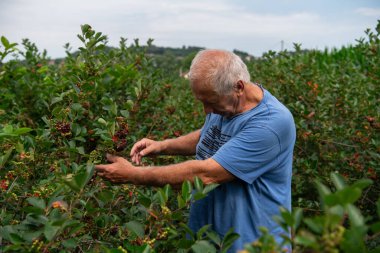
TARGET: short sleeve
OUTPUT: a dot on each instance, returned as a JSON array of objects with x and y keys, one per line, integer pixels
[{"x": 249, "y": 154}]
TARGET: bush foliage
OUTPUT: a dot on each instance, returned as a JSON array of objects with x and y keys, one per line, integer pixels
[{"x": 59, "y": 118}]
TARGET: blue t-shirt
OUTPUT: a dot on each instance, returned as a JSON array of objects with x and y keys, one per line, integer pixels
[{"x": 257, "y": 147}]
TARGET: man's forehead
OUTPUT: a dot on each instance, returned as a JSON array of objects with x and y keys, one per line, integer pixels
[
  {"x": 204, "y": 93},
  {"x": 201, "y": 87}
]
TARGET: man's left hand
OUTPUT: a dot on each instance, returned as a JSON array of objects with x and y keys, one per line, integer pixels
[{"x": 119, "y": 171}]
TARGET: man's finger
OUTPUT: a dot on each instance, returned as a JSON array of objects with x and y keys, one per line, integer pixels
[
  {"x": 112, "y": 158},
  {"x": 136, "y": 159},
  {"x": 101, "y": 167},
  {"x": 138, "y": 145},
  {"x": 149, "y": 150}
]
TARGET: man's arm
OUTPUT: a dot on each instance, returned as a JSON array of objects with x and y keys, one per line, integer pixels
[
  {"x": 122, "y": 171},
  {"x": 183, "y": 145}
]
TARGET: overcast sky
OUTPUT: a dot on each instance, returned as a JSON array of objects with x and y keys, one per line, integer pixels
[{"x": 254, "y": 26}]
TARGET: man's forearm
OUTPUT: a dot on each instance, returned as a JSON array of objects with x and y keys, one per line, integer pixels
[
  {"x": 209, "y": 171},
  {"x": 184, "y": 145},
  {"x": 122, "y": 171},
  {"x": 174, "y": 174}
]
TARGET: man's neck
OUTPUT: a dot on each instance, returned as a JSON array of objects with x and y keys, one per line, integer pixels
[{"x": 253, "y": 94}]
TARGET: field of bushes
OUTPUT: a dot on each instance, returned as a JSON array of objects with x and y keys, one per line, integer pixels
[{"x": 60, "y": 117}]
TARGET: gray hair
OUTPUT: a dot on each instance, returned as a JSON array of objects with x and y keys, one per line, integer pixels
[{"x": 219, "y": 68}]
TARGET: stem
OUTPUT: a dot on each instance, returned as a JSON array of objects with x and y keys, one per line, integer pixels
[{"x": 339, "y": 143}]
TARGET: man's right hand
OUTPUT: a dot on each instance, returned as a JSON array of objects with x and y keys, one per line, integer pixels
[{"x": 145, "y": 147}]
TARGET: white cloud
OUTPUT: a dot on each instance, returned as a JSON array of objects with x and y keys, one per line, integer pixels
[
  {"x": 369, "y": 12},
  {"x": 213, "y": 23}
]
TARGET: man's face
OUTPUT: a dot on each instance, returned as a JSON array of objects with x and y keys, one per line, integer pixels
[{"x": 224, "y": 105}]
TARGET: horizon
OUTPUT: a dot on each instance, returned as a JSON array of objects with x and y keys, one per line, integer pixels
[{"x": 253, "y": 26}]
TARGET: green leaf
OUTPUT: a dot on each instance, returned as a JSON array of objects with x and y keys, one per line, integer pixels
[
  {"x": 97, "y": 35},
  {"x": 184, "y": 244},
  {"x": 72, "y": 184},
  {"x": 161, "y": 198},
  {"x": 12, "y": 45},
  {"x": 315, "y": 224},
  {"x": 322, "y": 189},
  {"x": 353, "y": 240},
  {"x": 7, "y": 231},
  {"x": 84, "y": 176},
  {"x": 102, "y": 121},
  {"x": 39, "y": 203},
  {"x": 4, "y": 158},
  {"x": 50, "y": 231},
  {"x": 147, "y": 249},
  {"x": 8, "y": 135},
  {"x": 164, "y": 194},
  {"x": 16, "y": 238},
  {"x": 56, "y": 100},
  {"x": 201, "y": 232},
  {"x": 338, "y": 181},
  {"x": 229, "y": 238},
  {"x": 91, "y": 43},
  {"x": 198, "y": 196},
  {"x": 81, "y": 38},
  {"x": 22, "y": 130},
  {"x": 345, "y": 196},
  {"x": 105, "y": 196},
  {"x": 70, "y": 243},
  {"x": 356, "y": 218},
  {"x": 167, "y": 190},
  {"x": 33, "y": 219},
  {"x": 188, "y": 231},
  {"x": 297, "y": 214},
  {"x": 198, "y": 184},
  {"x": 135, "y": 227},
  {"x": 79, "y": 180},
  {"x": 214, "y": 237},
  {"x": 209, "y": 188},
  {"x": 203, "y": 247},
  {"x": 76, "y": 107},
  {"x": 187, "y": 188},
  {"x": 306, "y": 240},
  {"x": 85, "y": 28},
  {"x": 180, "y": 201},
  {"x": 81, "y": 151},
  {"x": 287, "y": 217},
  {"x": 8, "y": 129},
  {"x": 124, "y": 113},
  {"x": 76, "y": 129},
  {"x": 31, "y": 235},
  {"x": 362, "y": 183},
  {"x": 5, "y": 42},
  {"x": 144, "y": 200},
  {"x": 75, "y": 228},
  {"x": 33, "y": 210}
]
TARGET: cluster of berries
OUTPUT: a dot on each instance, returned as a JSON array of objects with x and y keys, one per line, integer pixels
[
  {"x": 119, "y": 139},
  {"x": 63, "y": 127},
  {"x": 4, "y": 184}
]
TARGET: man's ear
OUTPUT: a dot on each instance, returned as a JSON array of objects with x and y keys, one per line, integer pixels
[{"x": 239, "y": 86}]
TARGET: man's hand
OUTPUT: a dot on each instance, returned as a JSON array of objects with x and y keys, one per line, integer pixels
[
  {"x": 145, "y": 147},
  {"x": 119, "y": 171}
]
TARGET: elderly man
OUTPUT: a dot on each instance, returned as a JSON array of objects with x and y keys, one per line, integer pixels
[{"x": 245, "y": 145}]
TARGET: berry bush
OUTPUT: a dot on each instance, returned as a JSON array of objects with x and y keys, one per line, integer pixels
[{"x": 60, "y": 117}]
